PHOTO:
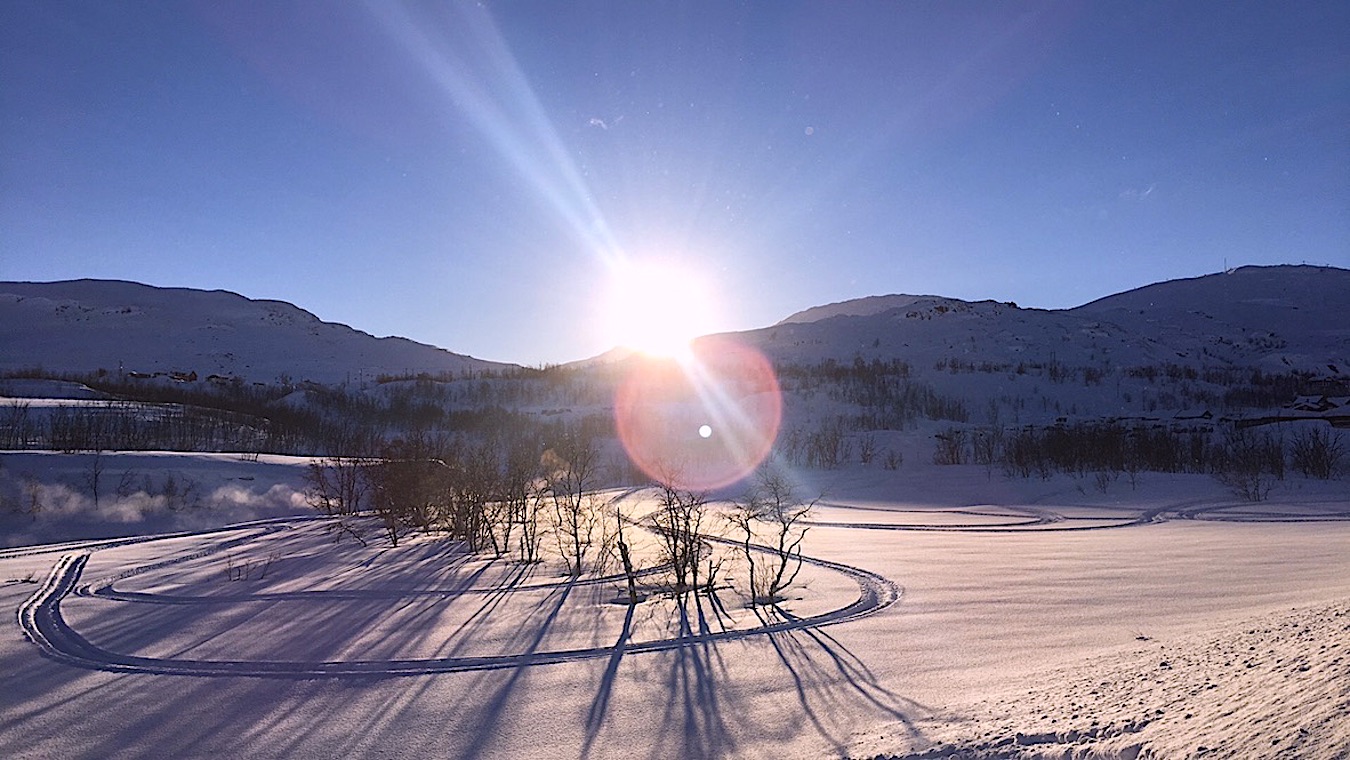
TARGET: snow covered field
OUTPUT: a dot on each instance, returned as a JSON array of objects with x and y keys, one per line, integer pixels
[{"x": 951, "y": 612}]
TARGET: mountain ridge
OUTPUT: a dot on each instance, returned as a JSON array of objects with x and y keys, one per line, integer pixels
[
  {"x": 87, "y": 324},
  {"x": 1276, "y": 318}
]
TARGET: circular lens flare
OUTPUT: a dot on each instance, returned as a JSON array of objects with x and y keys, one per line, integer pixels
[{"x": 667, "y": 409}]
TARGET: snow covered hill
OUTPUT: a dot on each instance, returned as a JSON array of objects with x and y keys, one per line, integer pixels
[
  {"x": 82, "y": 326},
  {"x": 1276, "y": 318},
  {"x": 857, "y": 307},
  {"x": 1100, "y": 359}
]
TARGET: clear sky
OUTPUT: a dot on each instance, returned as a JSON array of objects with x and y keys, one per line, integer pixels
[{"x": 473, "y": 175}]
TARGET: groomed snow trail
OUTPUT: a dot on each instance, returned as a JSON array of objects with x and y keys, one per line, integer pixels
[{"x": 41, "y": 620}]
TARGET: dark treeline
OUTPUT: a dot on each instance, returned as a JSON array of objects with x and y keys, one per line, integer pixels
[
  {"x": 1247, "y": 459},
  {"x": 237, "y": 416},
  {"x": 228, "y": 414},
  {"x": 1085, "y": 448},
  {"x": 885, "y": 395}
]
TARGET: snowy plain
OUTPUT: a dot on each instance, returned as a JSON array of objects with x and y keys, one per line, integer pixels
[
  {"x": 954, "y": 613},
  {"x": 198, "y": 608}
]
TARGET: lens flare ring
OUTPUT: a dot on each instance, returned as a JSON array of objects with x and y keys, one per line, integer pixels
[{"x": 702, "y": 420}]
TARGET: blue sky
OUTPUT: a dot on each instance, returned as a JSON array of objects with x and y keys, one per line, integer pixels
[{"x": 470, "y": 176}]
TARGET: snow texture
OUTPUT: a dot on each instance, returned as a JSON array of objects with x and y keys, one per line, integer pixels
[{"x": 980, "y": 618}]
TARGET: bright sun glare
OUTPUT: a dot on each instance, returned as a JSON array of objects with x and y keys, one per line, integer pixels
[{"x": 658, "y": 307}]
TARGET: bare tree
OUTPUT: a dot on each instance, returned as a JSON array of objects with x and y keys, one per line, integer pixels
[
  {"x": 94, "y": 476},
  {"x": 679, "y": 524},
  {"x": 531, "y": 511},
  {"x": 624, "y": 551},
  {"x": 336, "y": 485},
  {"x": 1317, "y": 452},
  {"x": 407, "y": 486},
  {"x": 572, "y": 468},
  {"x": 1249, "y": 463},
  {"x": 471, "y": 509},
  {"x": 522, "y": 493},
  {"x": 867, "y": 448},
  {"x": 32, "y": 497},
  {"x": 126, "y": 484},
  {"x": 772, "y": 512},
  {"x": 951, "y": 447},
  {"x": 984, "y": 447},
  {"x": 892, "y": 460}
]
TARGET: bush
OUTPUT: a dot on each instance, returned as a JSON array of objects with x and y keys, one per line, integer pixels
[
  {"x": 1317, "y": 452},
  {"x": 1249, "y": 463}
]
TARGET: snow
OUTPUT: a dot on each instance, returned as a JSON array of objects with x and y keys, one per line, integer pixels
[
  {"x": 1277, "y": 318},
  {"x": 950, "y": 610},
  {"x": 1284, "y": 316},
  {"x": 861, "y": 307},
  {"x": 82, "y": 326}
]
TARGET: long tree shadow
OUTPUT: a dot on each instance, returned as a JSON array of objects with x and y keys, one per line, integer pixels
[
  {"x": 595, "y": 716},
  {"x": 830, "y": 680},
  {"x": 694, "y": 718},
  {"x": 494, "y": 707}
]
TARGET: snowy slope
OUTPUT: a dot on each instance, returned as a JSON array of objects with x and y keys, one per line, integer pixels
[
  {"x": 85, "y": 325},
  {"x": 929, "y": 329},
  {"x": 857, "y": 307},
  {"x": 1277, "y": 318}
]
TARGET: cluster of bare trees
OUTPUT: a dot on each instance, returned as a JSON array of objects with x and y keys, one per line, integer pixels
[
  {"x": 26, "y": 494},
  {"x": 830, "y": 445},
  {"x": 679, "y": 526},
  {"x": 884, "y": 393},
  {"x": 1248, "y": 460},
  {"x": 827, "y": 447},
  {"x": 769, "y": 525},
  {"x": 505, "y": 496},
  {"x": 502, "y": 495},
  {"x": 126, "y": 426},
  {"x": 1317, "y": 452}
]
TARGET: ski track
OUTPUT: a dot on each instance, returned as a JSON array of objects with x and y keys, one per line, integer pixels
[
  {"x": 41, "y": 620},
  {"x": 1039, "y": 519}
]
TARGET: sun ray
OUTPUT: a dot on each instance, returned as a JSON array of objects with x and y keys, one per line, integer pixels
[{"x": 466, "y": 56}]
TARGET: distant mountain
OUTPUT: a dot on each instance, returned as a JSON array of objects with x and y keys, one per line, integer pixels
[
  {"x": 857, "y": 307},
  {"x": 87, "y": 325},
  {"x": 1276, "y": 318}
]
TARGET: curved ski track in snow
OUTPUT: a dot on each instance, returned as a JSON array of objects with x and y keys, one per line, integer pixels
[
  {"x": 40, "y": 615},
  {"x": 41, "y": 620}
]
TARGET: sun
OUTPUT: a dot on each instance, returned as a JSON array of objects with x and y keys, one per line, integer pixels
[{"x": 658, "y": 307}]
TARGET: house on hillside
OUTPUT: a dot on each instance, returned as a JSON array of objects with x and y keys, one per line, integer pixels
[{"x": 1313, "y": 404}]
